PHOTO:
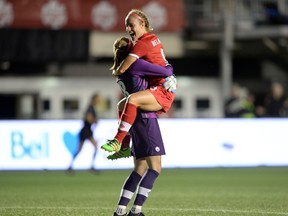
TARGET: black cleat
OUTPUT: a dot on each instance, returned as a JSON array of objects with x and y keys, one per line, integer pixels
[
  {"x": 132, "y": 214},
  {"x": 69, "y": 171},
  {"x": 115, "y": 214}
]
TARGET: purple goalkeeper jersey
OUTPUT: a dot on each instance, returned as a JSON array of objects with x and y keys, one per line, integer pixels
[
  {"x": 145, "y": 132},
  {"x": 134, "y": 79}
]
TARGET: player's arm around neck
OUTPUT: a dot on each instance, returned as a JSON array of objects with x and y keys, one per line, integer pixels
[{"x": 128, "y": 61}]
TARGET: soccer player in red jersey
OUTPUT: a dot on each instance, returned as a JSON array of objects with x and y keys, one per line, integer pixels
[{"x": 146, "y": 46}]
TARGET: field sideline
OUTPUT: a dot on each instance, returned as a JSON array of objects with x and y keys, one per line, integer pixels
[{"x": 196, "y": 192}]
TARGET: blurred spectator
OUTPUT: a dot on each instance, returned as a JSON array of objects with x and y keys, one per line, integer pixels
[
  {"x": 248, "y": 106},
  {"x": 240, "y": 104},
  {"x": 274, "y": 17},
  {"x": 276, "y": 102}
]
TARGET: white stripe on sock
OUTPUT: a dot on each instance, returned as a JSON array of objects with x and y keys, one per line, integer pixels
[
  {"x": 144, "y": 191},
  {"x": 127, "y": 194},
  {"x": 124, "y": 126}
]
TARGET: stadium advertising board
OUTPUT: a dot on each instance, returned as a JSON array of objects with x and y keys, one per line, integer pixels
[
  {"x": 49, "y": 144},
  {"x": 97, "y": 15}
]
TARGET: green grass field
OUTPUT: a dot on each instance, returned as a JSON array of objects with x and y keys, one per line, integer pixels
[{"x": 201, "y": 192}]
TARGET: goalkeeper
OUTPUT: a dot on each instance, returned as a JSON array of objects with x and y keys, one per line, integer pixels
[{"x": 147, "y": 142}]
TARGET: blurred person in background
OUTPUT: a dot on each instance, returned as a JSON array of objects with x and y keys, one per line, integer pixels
[
  {"x": 249, "y": 110},
  {"x": 240, "y": 104},
  {"x": 276, "y": 102},
  {"x": 86, "y": 133}
]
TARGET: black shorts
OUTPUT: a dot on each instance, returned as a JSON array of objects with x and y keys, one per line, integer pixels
[{"x": 85, "y": 132}]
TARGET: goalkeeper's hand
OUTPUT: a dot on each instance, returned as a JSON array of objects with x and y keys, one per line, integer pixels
[{"x": 170, "y": 83}]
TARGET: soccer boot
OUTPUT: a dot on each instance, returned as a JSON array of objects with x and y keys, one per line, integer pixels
[
  {"x": 138, "y": 214},
  {"x": 112, "y": 146},
  {"x": 69, "y": 171},
  {"x": 115, "y": 214},
  {"x": 94, "y": 171},
  {"x": 123, "y": 153}
]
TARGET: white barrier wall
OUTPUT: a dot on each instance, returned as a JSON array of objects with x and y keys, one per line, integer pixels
[
  {"x": 57, "y": 89},
  {"x": 37, "y": 145}
]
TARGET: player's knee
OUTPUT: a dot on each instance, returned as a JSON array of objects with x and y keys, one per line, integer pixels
[
  {"x": 133, "y": 99},
  {"x": 141, "y": 170},
  {"x": 155, "y": 165},
  {"x": 157, "y": 169}
]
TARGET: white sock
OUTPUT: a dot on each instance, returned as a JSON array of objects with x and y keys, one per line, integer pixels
[
  {"x": 136, "y": 209},
  {"x": 121, "y": 210}
]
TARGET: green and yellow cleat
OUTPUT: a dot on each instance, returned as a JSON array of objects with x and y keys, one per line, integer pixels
[
  {"x": 112, "y": 146},
  {"x": 123, "y": 153}
]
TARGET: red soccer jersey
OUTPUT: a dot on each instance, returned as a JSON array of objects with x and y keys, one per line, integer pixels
[{"x": 150, "y": 48}]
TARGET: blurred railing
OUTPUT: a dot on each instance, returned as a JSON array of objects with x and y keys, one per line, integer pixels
[{"x": 209, "y": 14}]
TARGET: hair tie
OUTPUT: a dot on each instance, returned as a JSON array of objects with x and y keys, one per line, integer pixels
[{"x": 137, "y": 16}]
